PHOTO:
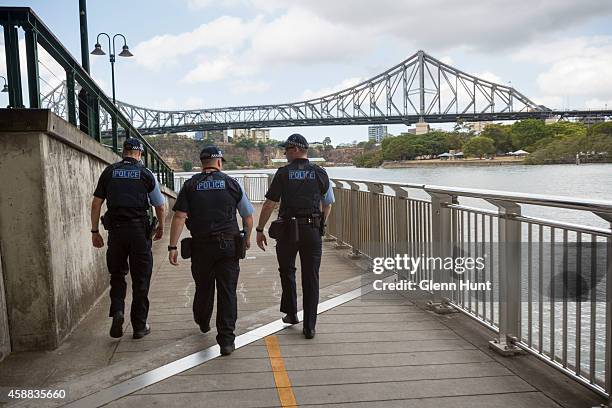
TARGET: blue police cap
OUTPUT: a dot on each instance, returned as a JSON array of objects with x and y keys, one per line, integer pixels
[
  {"x": 133, "y": 144},
  {"x": 211, "y": 152},
  {"x": 296, "y": 140}
]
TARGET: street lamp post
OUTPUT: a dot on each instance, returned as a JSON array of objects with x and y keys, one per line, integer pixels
[
  {"x": 125, "y": 52},
  {"x": 5, "y": 87}
]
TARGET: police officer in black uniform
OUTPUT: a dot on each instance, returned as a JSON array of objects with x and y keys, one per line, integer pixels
[
  {"x": 129, "y": 189},
  {"x": 306, "y": 197},
  {"x": 208, "y": 201}
]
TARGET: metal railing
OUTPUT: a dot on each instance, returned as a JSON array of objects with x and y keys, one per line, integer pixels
[
  {"x": 83, "y": 100},
  {"x": 537, "y": 303},
  {"x": 255, "y": 185}
]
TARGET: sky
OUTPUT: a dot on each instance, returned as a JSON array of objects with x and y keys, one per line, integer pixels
[{"x": 203, "y": 53}]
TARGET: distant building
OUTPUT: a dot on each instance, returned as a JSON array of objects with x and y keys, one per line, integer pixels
[
  {"x": 377, "y": 133},
  {"x": 478, "y": 127},
  {"x": 216, "y": 135},
  {"x": 259, "y": 135}
]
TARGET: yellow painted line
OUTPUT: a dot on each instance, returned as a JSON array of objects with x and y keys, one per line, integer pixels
[{"x": 283, "y": 385}]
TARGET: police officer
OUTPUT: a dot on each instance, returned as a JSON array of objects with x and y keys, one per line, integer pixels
[
  {"x": 129, "y": 189},
  {"x": 209, "y": 201},
  {"x": 306, "y": 197}
]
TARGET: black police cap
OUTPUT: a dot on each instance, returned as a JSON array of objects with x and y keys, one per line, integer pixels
[
  {"x": 211, "y": 152},
  {"x": 133, "y": 144},
  {"x": 296, "y": 140}
]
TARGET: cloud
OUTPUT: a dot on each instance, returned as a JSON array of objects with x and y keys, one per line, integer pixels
[
  {"x": 216, "y": 70},
  {"x": 249, "y": 87},
  {"x": 301, "y": 37},
  {"x": 574, "y": 67},
  {"x": 444, "y": 24},
  {"x": 224, "y": 34},
  {"x": 598, "y": 104},
  {"x": 347, "y": 83}
]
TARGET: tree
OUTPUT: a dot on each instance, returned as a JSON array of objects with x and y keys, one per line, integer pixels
[
  {"x": 479, "y": 146},
  {"x": 326, "y": 141},
  {"x": 245, "y": 142},
  {"x": 370, "y": 159},
  {"x": 187, "y": 166},
  {"x": 501, "y": 136},
  {"x": 527, "y": 132}
]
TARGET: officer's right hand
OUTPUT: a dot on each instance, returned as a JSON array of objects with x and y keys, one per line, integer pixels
[
  {"x": 261, "y": 241},
  {"x": 173, "y": 257},
  {"x": 97, "y": 240}
]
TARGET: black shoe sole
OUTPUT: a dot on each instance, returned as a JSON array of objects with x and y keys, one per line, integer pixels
[{"x": 116, "y": 330}]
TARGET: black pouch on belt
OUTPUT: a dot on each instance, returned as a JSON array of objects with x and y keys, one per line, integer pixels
[
  {"x": 186, "y": 248},
  {"x": 277, "y": 229},
  {"x": 240, "y": 244}
]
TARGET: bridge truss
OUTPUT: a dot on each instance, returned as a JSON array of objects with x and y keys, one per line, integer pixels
[{"x": 421, "y": 88}]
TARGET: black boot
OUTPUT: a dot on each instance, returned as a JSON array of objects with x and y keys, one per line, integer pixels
[
  {"x": 227, "y": 350},
  {"x": 139, "y": 334},
  {"x": 116, "y": 330},
  {"x": 309, "y": 334},
  {"x": 291, "y": 319}
]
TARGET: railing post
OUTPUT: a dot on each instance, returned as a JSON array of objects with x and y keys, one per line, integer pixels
[
  {"x": 401, "y": 221},
  {"x": 339, "y": 214},
  {"x": 608, "y": 351},
  {"x": 93, "y": 116},
  {"x": 13, "y": 69},
  {"x": 114, "y": 133},
  {"x": 375, "y": 242},
  {"x": 330, "y": 221},
  {"x": 441, "y": 241},
  {"x": 247, "y": 186},
  {"x": 353, "y": 239},
  {"x": 71, "y": 97},
  {"x": 509, "y": 241},
  {"x": 31, "y": 43},
  {"x": 608, "y": 344}
]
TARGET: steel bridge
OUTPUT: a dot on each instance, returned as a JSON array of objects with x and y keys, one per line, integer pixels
[{"x": 421, "y": 88}]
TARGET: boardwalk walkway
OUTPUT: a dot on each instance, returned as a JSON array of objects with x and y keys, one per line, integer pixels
[{"x": 372, "y": 350}]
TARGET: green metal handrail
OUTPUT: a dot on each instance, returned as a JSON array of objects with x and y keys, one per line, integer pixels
[{"x": 37, "y": 33}]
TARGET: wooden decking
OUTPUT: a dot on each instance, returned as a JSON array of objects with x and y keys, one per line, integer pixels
[
  {"x": 378, "y": 350},
  {"x": 375, "y": 351}
]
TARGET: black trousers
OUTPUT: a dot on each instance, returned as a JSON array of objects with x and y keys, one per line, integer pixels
[
  {"x": 129, "y": 245},
  {"x": 214, "y": 262},
  {"x": 309, "y": 248}
]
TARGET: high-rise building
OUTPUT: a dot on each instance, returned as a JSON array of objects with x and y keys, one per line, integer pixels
[
  {"x": 377, "y": 133},
  {"x": 259, "y": 135}
]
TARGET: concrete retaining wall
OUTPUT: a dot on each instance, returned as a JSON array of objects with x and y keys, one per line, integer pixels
[
  {"x": 52, "y": 273},
  {"x": 5, "y": 340}
]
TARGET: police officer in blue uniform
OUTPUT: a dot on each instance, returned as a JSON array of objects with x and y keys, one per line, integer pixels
[
  {"x": 306, "y": 197},
  {"x": 207, "y": 204},
  {"x": 129, "y": 189}
]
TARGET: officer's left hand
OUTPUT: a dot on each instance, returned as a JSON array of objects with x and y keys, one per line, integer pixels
[
  {"x": 173, "y": 257},
  {"x": 97, "y": 240},
  {"x": 261, "y": 241},
  {"x": 159, "y": 233}
]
